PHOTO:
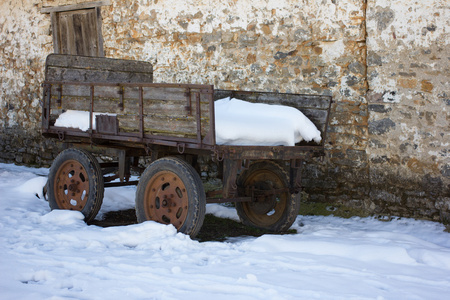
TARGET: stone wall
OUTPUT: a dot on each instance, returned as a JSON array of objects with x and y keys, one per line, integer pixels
[
  {"x": 311, "y": 47},
  {"x": 25, "y": 40},
  {"x": 386, "y": 64},
  {"x": 408, "y": 68}
]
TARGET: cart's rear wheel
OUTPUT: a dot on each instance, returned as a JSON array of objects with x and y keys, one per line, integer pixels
[
  {"x": 75, "y": 182},
  {"x": 170, "y": 191},
  {"x": 273, "y": 207}
]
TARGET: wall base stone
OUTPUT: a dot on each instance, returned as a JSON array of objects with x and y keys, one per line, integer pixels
[{"x": 18, "y": 146}]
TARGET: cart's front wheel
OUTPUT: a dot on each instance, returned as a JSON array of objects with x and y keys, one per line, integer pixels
[
  {"x": 273, "y": 207},
  {"x": 75, "y": 182},
  {"x": 170, "y": 191}
]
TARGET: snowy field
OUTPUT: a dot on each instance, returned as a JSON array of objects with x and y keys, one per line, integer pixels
[{"x": 55, "y": 255}]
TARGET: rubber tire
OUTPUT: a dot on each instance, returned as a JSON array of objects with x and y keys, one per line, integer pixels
[
  {"x": 95, "y": 178},
  {"x": 194, "y": 189},
  {"x": 283, "y": 219}
]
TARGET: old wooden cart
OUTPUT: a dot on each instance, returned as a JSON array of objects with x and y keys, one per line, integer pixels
[{"x": 171, "y": 125}]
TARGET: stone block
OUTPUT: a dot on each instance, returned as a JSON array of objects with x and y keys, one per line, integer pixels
[
  {"x": 340, "y": 141},
  {"x": 379, "y": 108},
  {"x": 426, "y": 86},
  {"x": 357, "y": 68},
  {"x": 379, "y": 159},
  {"x": 413, "y": 202},
  {"x": 407, "y": 83},
  {"x": 432, "y": 185},
  {"x": 374, "y": 59},
  {"x": 385, "y": 196},
  {"x": 445, "y": 170},
  {"x": 248, "y": 40},
  {"x": 375, "y": 143},
  {"x": 382, "y": 126},
  {"x": 443, "y": 203}
]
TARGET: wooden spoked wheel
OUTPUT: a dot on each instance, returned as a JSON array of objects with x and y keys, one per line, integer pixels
[
  {"x": 170, "y": 191},
  {"x": 76, "y": 183}
]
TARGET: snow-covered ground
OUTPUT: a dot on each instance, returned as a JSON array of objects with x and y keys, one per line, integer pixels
[{"x": 55, "y": 255}]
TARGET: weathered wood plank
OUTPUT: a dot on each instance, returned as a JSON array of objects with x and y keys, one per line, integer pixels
[
  {"x": 56, "y": 32},
  {"x": 295, "y": 100},
  {"x": 160, "y": 100},
  {"x": 159, "y": 124},
  {"x": 64, "y": 34},
  {"x": 90, "y": 36},
  {"x": 131, "y": 106},
  {"x": 75, "y": 6},
  {"x": 149, "y": 93},
  {"x": 98, "y": 20},
  {"x": 318, "y": 117},
  {"x": 103, "y": 76},
  {"x": 81, "y": 38},
  {"x": 97, "y": 63}
]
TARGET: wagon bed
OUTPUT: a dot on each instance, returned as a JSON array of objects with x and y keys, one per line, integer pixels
[
  {"x": 147, "y": 113},
  {"x": 140, "y": 118}
]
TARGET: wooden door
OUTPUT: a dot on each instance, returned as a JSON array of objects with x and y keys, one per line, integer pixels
[{"x": 79, "y": 32}]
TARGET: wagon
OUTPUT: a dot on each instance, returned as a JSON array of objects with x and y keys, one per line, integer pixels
[{"x": 130, "y": 119}]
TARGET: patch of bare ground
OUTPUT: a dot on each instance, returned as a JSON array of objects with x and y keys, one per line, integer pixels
[{"x": 213, "y": 229}]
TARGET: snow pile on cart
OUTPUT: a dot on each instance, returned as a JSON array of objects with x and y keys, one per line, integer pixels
[
  {"x": 243, "y": 123},
  {"x": 78, "y": 119},
  {"x": 238, "y": 122}
]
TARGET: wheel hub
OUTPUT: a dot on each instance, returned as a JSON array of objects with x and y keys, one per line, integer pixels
[
  {"x": 269, "y": 197},
  {"x": 167, "y": 199},
  {"x": 71, "y": 186},
  {"x": 264, "y": 201}
]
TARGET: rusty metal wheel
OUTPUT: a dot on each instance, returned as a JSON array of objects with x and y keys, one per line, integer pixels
[
  {"x": 273, "y": 207},
  {"x": 76, "y": 183},
  {"x": 170, "y": 191}
]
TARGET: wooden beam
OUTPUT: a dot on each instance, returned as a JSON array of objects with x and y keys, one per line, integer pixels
[
  {"x": 46, "y": 10},
  {"x": 100, "y": 51},
  {"x": 55, "y": 34}
]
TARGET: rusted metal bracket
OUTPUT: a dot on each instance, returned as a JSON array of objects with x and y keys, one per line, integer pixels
[
  {"x": 61, "y": 136},
  {"x": 91, "y": 111},
  {"x": 122, "y": 164},
  {"x": 295, "y": 184},
  {"x": 46, "y": 106},
  {"x": 188, "y": 106},
  {"x": 59, "y": 89},
  {"x": 121, "y": 93},
  {"x": 141, "y": 112},
  {"x": 151, "y": 151},
  {"x": 147, "y": 149},
  {"x": 230, "y": 169},
  {"x": 217, "y": 156},
  {"x": 198, "y": 115},
  {"x": 181, "y": 147}
]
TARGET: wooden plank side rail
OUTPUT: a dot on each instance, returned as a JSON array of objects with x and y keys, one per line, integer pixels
[
  {"x": 143, "y": 113},
  {"x": 156, "y": 109}
]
